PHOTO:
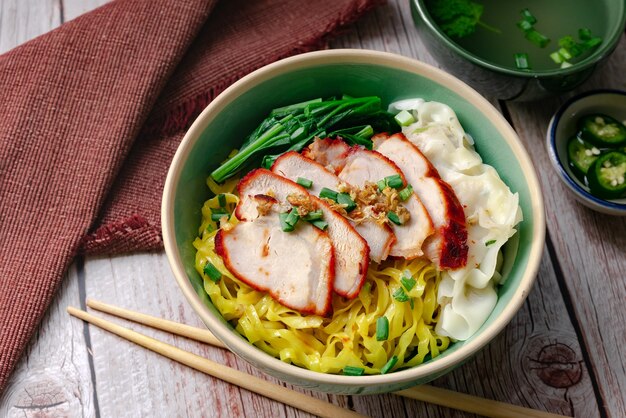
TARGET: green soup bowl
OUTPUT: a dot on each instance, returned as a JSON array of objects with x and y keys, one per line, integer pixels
[
  {"x": 474, "y": 62},
  {"x": 224, "y": 124}
]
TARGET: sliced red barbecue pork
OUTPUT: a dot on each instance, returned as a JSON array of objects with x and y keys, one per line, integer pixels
[
  {"x": 295, "y": 269},
  {"x": 351, "y": 250},
  {"x": 447, "y": 247},
  {"x": 293, "y": 166},
  {"x": 358, "y": 167}
]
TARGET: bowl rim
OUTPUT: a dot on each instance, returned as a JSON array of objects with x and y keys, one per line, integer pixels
[
  {"x": 603, "y": 51},
  {"x": 558, "y": 164},
  {"x": 265, "y": 361}
]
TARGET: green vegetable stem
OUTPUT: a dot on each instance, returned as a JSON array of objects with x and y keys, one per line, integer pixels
[{"x": 291, "y": 128}]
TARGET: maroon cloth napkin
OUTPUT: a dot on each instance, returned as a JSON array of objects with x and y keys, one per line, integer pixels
[{"x": 91, "y": 116}]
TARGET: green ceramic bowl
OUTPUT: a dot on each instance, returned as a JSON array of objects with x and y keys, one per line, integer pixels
[
  {"x": 234, "y": 113},
  {"x": 481, "y": 63}
]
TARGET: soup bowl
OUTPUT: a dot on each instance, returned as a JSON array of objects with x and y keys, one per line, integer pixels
[
  {"x": 507, "y": 82},
  {"x": 224, "y": 124}
]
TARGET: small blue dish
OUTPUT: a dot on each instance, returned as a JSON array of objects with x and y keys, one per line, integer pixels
[{"x": 563, "y": 126}]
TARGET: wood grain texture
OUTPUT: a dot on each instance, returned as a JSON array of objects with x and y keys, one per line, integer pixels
[
  {"x": 590, "y": 247},
  {"x": 53, "y": 378},
  {"x": 540, "y": 360}
]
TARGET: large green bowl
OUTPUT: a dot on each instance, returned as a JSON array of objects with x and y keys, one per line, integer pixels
[
  {"x": 493, "y": 79},
  {"x": 234, "y": 113}
]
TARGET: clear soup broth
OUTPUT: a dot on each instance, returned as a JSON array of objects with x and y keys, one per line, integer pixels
[{"x": 555, "y": 19}]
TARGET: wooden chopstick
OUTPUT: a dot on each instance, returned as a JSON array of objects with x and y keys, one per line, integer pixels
[
  {"x": 244, "y": 380},
  {"x": 424, "y": 393},
  {"x": 202, "y": 335},
  {"x": 472, "y": 404}
]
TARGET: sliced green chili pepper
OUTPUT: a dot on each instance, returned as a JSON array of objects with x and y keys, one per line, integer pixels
[
  {"x": 581, "y": 155},
  {"x": 607, "y": 175},
  {"x": 602, "y": 130}
]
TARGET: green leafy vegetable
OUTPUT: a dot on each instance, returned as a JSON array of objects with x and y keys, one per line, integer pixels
[
  {"x": 291, "y": 128},
  {"x": 458, "y": 18}
]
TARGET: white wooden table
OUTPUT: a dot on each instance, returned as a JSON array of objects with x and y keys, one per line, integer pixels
[{"x": 564, "y": 352}]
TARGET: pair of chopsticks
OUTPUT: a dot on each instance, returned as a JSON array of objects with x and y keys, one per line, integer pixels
[{"x": 424, "y": 393}]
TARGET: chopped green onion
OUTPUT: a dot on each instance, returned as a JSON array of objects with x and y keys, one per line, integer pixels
[
  {"x": 490, "y": 242},
  {"x": 288, "y": 220},
  {"x": 366, "y": 287},
  {"x": 528, "y": 16},
  {"x": 565, "y": 54},
  {"x": 345, "y": 199},
  {"x": 556, "y": 57},
  {"x": 353, "y": 371},
  {"x": 381, "y": 184},
  {"x": 521, "y": 61},
  {"x": 567, "y": 42},
  {"x": 283, "y": 222},
  {"x": 217, "y": 214},
  {"x": 382, "y": 328},
  {"x": 565, "y": 64},
  {"x": 393, "y": 217},
  {"x": 537, "y": 38},
  {"x": 406, "y": 192},
  {"x": 314, "y": 215},
  {"x": 211, "y": 271},
  {"x": 584, "y": 34},
  {"x": 221, "y": 198},
  {"x": 590, "y": 43},
  {"x": 210, "y": 228},
  {"x": 292, "y": 217},
  {"x": 306, "y": 183},
  {"x": 400, "y": 295},
  {"x": 320, "y": 224},
  {"x": 404, "y": 118},
  {"x": 215, "y": 217},
  {"x": 387, "y": 367},
  {"x": 408, "y": 283},
  {"x": 328, "y": 194},
  {"x": 524, "y": 25},
  {"x": 395, "y": 181}
]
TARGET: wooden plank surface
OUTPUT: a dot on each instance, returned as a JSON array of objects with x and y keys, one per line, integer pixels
[{"x": 560, "y": 353}]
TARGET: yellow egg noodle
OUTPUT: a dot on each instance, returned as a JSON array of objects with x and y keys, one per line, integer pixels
[{"x": 348, "y": 337}]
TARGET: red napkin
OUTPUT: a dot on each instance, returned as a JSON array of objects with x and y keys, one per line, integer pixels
[{"x": 91, "y": 116}]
